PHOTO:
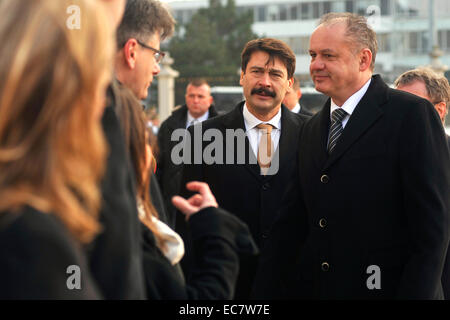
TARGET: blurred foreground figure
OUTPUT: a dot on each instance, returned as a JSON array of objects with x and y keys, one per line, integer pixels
[{"x": 52, "y": 151}]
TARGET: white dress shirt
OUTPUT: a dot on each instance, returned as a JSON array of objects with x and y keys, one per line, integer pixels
[
  {"x": 254, "y": 134},
  {"x": 190, "y": 118},
  {"x": 296, "y": 109},
  {"x": 351, "y": 103},
  {"x": 174, "y": 245}
]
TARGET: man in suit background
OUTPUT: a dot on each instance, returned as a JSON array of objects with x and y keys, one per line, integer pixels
[
  {"x": 292, "y": 99},
  {"x": 425, "y": 83},
  {"x": 198, "y": 107},
  {"x": 253, "y": 192},
  {"x": 375, "y": 178}
]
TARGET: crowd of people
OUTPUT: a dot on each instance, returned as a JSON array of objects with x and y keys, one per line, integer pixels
[{"x": 349, "y": 203}]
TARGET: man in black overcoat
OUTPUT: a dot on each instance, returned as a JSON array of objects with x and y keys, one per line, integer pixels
[{"x": 375, "y": 178}]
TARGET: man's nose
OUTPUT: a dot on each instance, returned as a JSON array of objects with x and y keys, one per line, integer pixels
[
  {"x": 265, "y": 80},
  {"x": 156, "y": 69},
  {"x": 317, "y": 64}
]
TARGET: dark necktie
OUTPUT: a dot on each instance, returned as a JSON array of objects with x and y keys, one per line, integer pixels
[{"x": 336, "y": 128}]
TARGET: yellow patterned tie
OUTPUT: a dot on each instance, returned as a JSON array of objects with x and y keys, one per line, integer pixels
[{"x": 265, "y": 147}]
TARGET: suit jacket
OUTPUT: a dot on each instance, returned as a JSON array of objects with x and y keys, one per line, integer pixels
[
  {"x": 378, "y": 205},
  {"x": 115, "y": 256},
  {"x": 241, "y": 189},
  {"x": 36, "y": 251},
  {"x": 168, "y": 173},
  {"x": 218, "y": 237}
]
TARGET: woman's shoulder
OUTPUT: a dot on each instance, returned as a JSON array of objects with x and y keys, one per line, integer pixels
[
  {"x": 38, "y": 257},
  {"x": 32, "y": 226}
]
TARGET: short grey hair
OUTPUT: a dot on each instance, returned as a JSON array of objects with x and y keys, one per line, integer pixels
[
  {"x": 358, "y": 31},
  {"x": 437, "y": 86},
  {"x": 144, "y": 18}
]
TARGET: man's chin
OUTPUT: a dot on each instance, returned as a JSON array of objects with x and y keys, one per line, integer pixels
[
  {"x": 320, "y": 87},
  {"x": 264, "y": 107}
]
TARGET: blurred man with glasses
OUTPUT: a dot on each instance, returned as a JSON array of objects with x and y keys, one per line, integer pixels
[
  {"x": 139, "y": 37},
  {"x": 425, "y": 83}
]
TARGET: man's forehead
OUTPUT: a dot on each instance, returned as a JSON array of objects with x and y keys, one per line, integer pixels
[
  {"x": 204, "y": 88},
  {"x": 270, "y": 64},
  {"x": 333, "y": 31}
]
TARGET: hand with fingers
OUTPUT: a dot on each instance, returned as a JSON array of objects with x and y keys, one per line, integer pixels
[{"x": 203, "y": 199}]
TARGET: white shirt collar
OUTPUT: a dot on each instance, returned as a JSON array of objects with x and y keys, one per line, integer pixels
[
  {"x": 190, "y": 118},
  {"x": 173, "y": 249},
  {"x": 251, "y": 121},
  {"x": 351, "y": 103},
  {"x": 296, "y": 109}
]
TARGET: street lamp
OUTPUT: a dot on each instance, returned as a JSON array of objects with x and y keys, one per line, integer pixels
[{"x": 435, "y": 52}]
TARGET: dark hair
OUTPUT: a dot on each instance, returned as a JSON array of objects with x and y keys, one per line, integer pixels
[
  {"x": 198, "y": 82},
  {"x": 144, "y": 18},
  {"x": 275, "y": 48},
  {"x": 132, "y": 120}
]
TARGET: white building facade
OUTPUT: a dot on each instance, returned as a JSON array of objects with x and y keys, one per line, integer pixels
[{"x": 402, "y": 27}]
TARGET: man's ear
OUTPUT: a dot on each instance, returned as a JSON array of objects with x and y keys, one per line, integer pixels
[
  {"x": 365, "y": 59},
  {"x": 441, "y": 108},
  {"x": 242, "y": 78},
  {"x": 130, "y": 53},
  {"x": 291, "y": 84},
  {"x": 299, "y": 93}
]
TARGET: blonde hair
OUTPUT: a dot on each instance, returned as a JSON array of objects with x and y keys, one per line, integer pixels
[{"x": 52, "y": 148}]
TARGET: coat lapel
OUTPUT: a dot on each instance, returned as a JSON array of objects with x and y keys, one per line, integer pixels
[
  {"x": 179, "y": 118},
  {"x": 235, "y": 120},
  {"x": 317, "y": 143},
  {"x": 288, "y": 140},
  {"x": 365, "y": 114}
]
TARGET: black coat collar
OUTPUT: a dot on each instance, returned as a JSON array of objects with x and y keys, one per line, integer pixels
[
  {"x": 365, "y": 114},
  {"x": 178, "y": 117},
  {"x": 290, "y": 124}
]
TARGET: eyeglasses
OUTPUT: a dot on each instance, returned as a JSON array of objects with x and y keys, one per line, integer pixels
[{"x": 159, "y": 55}]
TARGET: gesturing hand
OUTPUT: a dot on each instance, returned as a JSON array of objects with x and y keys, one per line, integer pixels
[{"x": 203, "y": 199}]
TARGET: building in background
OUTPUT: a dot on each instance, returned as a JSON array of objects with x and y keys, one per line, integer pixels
[{"x": 402, "y": 26}]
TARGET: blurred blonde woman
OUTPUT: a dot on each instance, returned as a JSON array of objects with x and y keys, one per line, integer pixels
[{"x": 52, "y": 150}]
